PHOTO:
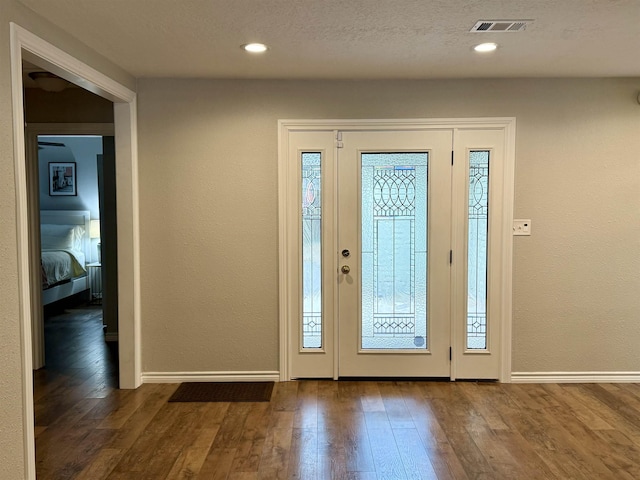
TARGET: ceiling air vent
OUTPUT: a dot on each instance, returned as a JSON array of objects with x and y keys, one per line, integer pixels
[{"x": 482, "y": 26}]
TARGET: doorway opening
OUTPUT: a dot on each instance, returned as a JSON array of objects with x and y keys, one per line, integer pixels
[
  {"x": 93, "y": 254},
  {"x": 29, "y": 47}
]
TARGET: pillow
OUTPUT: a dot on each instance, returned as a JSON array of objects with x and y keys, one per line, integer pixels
[
  {"x": 78, "y": 236},
  {"x": 61, "y": 237}
]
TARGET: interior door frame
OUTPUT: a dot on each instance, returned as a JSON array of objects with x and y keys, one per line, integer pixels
[
  {"x": 29, "y": 46},
  {"x": 288, "y": 221}
]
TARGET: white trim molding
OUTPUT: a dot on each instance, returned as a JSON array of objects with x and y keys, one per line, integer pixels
[
  {"x": 575, "y": 377},
  {"x": 287, "y": 239},
  {"x": 26, "y": 45},
  {"x": 180, "y": 377}
]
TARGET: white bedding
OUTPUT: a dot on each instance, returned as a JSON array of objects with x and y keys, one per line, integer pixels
[{"x": 61, "y": 265}]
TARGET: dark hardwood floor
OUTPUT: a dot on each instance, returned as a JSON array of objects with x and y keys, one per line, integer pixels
[{"x": 87, "y": 429}]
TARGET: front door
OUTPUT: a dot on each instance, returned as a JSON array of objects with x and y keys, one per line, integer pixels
[
  {"x": 394, "y": 224},
  {"x": 395, "y": 248}
]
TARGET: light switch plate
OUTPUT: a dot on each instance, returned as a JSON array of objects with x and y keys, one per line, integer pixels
[{"x": 522, "y": 227}]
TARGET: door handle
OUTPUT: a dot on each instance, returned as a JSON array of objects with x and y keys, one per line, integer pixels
[{"x": 345, "y": 269}]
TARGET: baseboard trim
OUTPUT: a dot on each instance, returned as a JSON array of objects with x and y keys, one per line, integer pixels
[
  {"x": 179, "y": 377},
  {"x": 575, "y": 377}
]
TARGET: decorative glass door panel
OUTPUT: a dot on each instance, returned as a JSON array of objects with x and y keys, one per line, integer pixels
[
  {"x": 311, "y": 193},
  {"x": 394, "y": 214},
  {"x": 394, "y": 251},
  {"x": 478, "y": 230}
]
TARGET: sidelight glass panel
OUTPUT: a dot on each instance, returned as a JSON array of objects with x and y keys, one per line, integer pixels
[
  {"x": 394, "y": 251},
  {"x": 478, "y": 221},
  {"x": 311, "y": 251}
]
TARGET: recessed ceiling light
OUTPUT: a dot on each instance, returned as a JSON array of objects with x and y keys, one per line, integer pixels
[
  {"x": 255, "y": 47},
  {"x": 485, "y": 47}
]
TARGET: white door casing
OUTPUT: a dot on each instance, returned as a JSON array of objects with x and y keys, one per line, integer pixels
[
  {"x": 25, "y": 44},
  {"x": 495, "y": 137}
]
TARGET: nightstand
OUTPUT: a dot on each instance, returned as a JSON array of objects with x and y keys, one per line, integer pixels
[{"x": 94, "y": 271}]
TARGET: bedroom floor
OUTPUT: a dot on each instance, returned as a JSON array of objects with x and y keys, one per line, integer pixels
[
  {"x": 87, "y": 429},
  {"x": 80, "y": 369},
  {"x": 75, "y": 347}
]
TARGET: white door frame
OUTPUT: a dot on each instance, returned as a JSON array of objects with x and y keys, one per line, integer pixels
[
  {"x": 288, "y": 221},
  {"x": 25, "y": 44}
]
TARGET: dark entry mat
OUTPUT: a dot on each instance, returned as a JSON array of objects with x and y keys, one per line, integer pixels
[{"x": 223, "y": 392}]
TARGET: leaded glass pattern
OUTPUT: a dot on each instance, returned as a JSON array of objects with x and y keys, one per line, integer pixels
[
  {"x": 311, "y": 194},
  {"x": 394, "y": 251},
  {"x": 478, "y": 221}
]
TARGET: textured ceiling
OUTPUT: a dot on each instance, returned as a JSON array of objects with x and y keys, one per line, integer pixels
[{"x": 354, "y": 39}]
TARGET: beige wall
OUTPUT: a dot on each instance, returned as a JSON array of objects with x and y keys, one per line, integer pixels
[
  {"x": 12, "y": 462},
  {"x": 209, "y": 225}
]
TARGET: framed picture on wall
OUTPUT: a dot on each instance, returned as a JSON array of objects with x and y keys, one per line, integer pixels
[{"x": 62, "y": 179}]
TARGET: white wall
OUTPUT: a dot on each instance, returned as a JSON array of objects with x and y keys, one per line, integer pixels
[{"x": 208, "y": 199}]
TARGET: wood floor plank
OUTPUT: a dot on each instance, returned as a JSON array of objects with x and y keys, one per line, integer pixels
[
  {"x": 483, "y": 396},
  {"x": 618, "y": 454},
  {"x": 361, "y": 476},
  {"x": 83, "y": 455},
  {"x": 633, "y": 388},
  {"x": 118, "y": 407},
  {"x": 63, "y": 437},
  {"x": 274, "y": 463},
  {"x": 386, "y": 457},
  {"x": 306, "y": 413},
  {"x": 589, "y": 418},
  {"x": 232, "y": 425},
  {"x": 217, "y": 464},
  {"x": 455, "y": 427},
  {"x": 350, "y": 396},
  {"x": 141, "y": 418},
  {"x": 557, "y": 446},
  {"x": 284, "y": 396},
  {"x": 524, "y": 455},
  {"x": 623, "y": 401},
  {"x": 303, "y": 458},
  {"x": 140, "y": 455},
  {"x": 356, "y": 444},
  {"x": 243, "y": 476},
  {"x": 192, "y": 456},
  {"x": 331, "y": 454},
  {"x": 496, "y": 453},
  {"x": 102, "y": 465},
  {"x": 606, "y": 412},
  {"x": 414, "y": 455},
  {"x": 248, "y": 455},
  {"x": 251, "y": 443},
  {"x": 371, "y": 399},
  {"x": 395, "y": 406}
]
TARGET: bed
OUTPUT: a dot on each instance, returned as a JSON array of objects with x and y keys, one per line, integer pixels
[{"x": 65, "y": 251}]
